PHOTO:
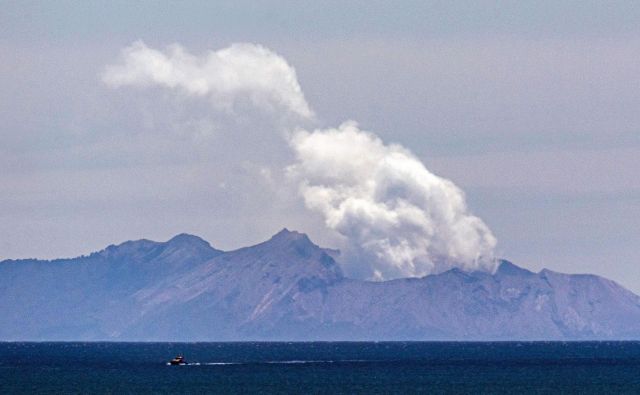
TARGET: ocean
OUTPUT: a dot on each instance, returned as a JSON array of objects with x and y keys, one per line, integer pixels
[{"x": 322, "y": 368}]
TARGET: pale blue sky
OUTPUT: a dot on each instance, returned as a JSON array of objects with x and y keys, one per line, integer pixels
[{"x": 530, "y": 107}]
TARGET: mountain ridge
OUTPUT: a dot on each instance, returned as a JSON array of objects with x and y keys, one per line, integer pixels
[{"x": 288, "y": 288}]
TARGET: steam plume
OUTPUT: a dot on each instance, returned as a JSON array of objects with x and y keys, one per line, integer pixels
[
  {"x": 397, "y": 218},
  {"x": 239, "y": 71},
  {"x": 400, "y": 219}
]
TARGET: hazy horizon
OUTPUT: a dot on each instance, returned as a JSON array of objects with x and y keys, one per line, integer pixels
[{"x": 528, "y": 109}]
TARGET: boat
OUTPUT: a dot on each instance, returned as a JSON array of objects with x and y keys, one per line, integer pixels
[{"x": 179, "y": 360}]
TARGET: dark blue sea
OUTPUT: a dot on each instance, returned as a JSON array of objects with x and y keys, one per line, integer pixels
[{"x": 322, "y": 368}]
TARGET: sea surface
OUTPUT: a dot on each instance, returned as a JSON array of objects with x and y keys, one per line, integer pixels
[{"x": 322, "y": 368}]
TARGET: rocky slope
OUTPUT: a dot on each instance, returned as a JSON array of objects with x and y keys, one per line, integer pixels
[{"x": 287, "y": 288}]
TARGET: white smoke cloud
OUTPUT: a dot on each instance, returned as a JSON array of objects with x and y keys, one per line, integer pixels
[
  {"x": 400, "y": 219},
  {"x": 240, "y": 71},
  {"x": 397, "y": 218}
]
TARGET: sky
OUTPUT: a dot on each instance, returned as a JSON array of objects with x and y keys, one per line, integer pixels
[{"x": 530, "y": 108}]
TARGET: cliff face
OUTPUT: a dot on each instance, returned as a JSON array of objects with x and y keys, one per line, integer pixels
[{"x": 287, "y": 288}]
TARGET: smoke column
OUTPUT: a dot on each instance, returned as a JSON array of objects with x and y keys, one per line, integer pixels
[
  {"x": 240, "y": 71},
  {"x": 399, "y": 218},
  {"x": 396, "y": 218}
]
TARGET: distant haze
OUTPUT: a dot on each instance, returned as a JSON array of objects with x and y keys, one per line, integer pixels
[{"x": 529, "y": 108}]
